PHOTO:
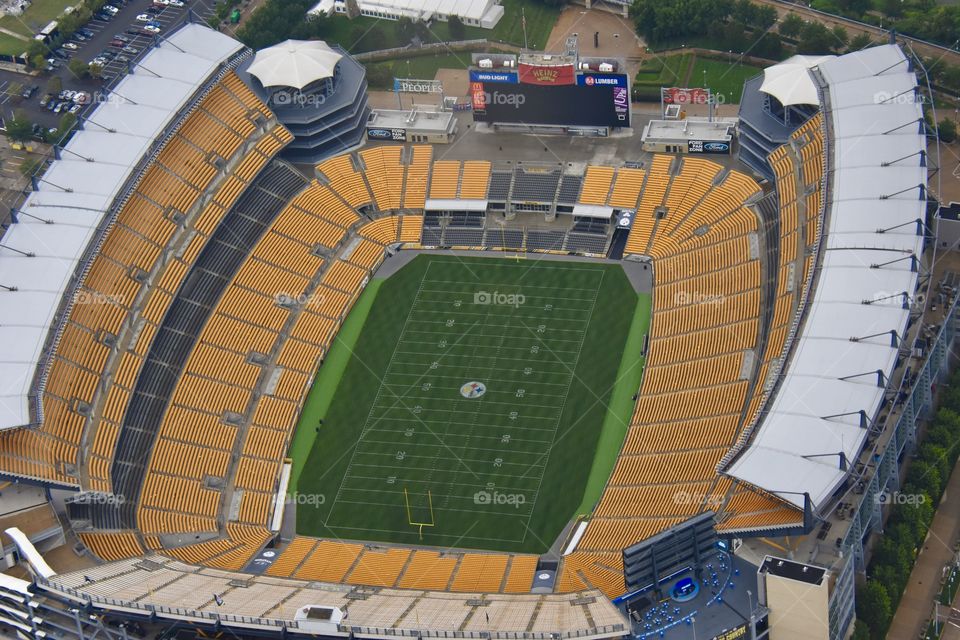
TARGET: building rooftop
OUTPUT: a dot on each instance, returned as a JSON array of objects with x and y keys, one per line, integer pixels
[
  {"x": 690, "y": 129},
  {"x": 414, "y": 119},
  {"x": 792, "y": 570}
]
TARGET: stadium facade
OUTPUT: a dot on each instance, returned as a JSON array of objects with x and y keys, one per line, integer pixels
[
  {"x": 155, "y": 372},
  {"x": 318, "y": 92}
]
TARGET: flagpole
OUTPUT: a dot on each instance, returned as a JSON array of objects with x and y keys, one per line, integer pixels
[{"x": 523, "y": 21}]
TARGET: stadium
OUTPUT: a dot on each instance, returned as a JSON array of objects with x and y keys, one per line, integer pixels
[{"x": 394, "y": 394}]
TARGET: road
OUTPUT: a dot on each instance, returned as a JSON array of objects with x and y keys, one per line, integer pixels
[{"x": 104, "y": 32}]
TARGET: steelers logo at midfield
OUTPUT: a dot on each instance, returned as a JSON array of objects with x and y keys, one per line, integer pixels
[{"x": 473, "y": 389}]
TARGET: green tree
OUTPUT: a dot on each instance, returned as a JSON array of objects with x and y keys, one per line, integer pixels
[
  {"x": 860, "y": 41},
  {"x": 947, "y": 130},
  {"x": 765, "y": 18},
  {"x": 78, "y": 68},
  {"x": 815, "y": 39},
  {"x": 661, "y": 20},
  {"x": 55, "y": 84},
  {"x": 457, "y": 29},
  {"x": 841, "y": 36},
  {"x": 274, "y": 21},
  {"x": 860, "y": 631},
  {"x": 892, "y": 8},
  {"x": 94, "y": 70},
  {"x": 791, "y": 25},
  {"x": 19, "y": 128},
  {"x": 873, "y": 607},
  {"x": 379, "y": 75}
]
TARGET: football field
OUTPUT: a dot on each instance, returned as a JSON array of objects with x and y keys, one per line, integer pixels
[{"x": 469, "y": 412}]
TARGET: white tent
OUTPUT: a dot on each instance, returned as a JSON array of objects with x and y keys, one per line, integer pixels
[
  {"x": 847, "y": 346},
  {"x": 294, "y": 63},
  {"x": 790, "y": 81},
  {"x": 58, "y": 222}
]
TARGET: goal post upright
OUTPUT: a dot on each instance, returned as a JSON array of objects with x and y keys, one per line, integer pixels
[{"x": 410, "y": 520}]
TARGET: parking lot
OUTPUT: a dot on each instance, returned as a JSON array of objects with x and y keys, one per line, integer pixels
[{"x": 117, "y": 40}]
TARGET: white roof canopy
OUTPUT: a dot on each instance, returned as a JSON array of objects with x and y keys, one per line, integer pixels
[
  {"x": 57, "y": 222},
  {"x": 847, "y": 346},
  {"x": 294, "y": 63},
  {"x": 790, "y": 81}
]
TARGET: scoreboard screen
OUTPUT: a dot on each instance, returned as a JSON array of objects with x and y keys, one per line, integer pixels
[{"x": 595, "y": 100}]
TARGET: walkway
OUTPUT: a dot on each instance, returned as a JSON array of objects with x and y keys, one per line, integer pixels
[{"x": 917, "y": 603}]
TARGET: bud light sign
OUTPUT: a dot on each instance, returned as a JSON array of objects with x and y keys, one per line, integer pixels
[{"x": 493, "y": 76}]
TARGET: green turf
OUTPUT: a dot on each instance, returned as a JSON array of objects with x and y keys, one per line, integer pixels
[
  {"x": 620, "y": 411},
  {"x": 419, "y": 67},
  {"x": 724, "y": 80},
  {"x": 327, "y": 380},
  {"x": 398, "y": 420}
]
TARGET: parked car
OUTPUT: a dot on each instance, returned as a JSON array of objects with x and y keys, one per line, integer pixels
[
  {"x": 151, "y": 28},
  {"x": 85, "y": 32},
  {"x": 28, "y": 91},
  {"x": 121, "y": 37},
  {"x": 130, "y": 50},
  {"x": 81, "y": 97},
  {"x": 72, "y": 46},
  {"x": 122, "y": 58},
  {"x": 75, "y": 109},
  {"x": 135, "y": 31},
  {"x": 109, "y": 8},
  {"x": 103, "y": 16},
  {"x": 45, "y": 99},
  {"x": 119, "y": 44},
  {"x": 59, "y": 107},
  {"x": 144, "y": 17},
  {"x": 176, "y": 3}
]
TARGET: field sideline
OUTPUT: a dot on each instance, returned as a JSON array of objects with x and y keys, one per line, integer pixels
[{"x": 504, "y": 467}]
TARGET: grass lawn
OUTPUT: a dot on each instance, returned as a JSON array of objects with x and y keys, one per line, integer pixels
[
  {"x": 722, "y": 78},
  {"x": 327, "y": 380},
  {"x": 420, "y": 67},
  {"x": 620, "y": 408},
  {"x": 369, "y": 34},
  {"x": 664, "y": 72},
  {"x": 504, "y": 470},
  {"x": 11, "y": 46},
  {"x": 35, "y": 18},
  {"x": 40, "y": 13}
]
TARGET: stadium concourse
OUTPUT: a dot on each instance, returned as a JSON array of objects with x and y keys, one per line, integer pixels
[{"x": 151, "y": 367}]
